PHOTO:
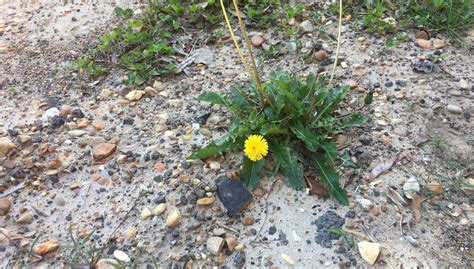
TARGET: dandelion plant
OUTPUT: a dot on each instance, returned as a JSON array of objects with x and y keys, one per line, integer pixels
[{"x": 287, "y": 120}]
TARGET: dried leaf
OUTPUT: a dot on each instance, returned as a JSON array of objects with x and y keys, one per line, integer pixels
[
  {"x": 316, "y": 187},
  {"x": 416, "y": 207},
  {"x": 382, "y": 168}
]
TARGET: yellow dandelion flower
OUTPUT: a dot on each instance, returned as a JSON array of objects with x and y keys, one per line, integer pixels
[{"x": 256, "y": 147}]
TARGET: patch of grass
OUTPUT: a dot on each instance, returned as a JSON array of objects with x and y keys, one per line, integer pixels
[
  {"x": 82, "y": 251},
  {"x": 451, "y": 17},
  {"x": 143, "y": 44}
]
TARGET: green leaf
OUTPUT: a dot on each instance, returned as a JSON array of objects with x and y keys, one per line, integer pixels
[
  {"x": 272, "y": 129},
  {"x": 287, "y": 158},
  {"x": 331, "y": 150},
  {"x": 354, "y": 120},
  {"x": 214, "y": 149},
  {"x": 368, "y": 98},
  {"x": 305, "y": 135},
  {"x": 331, "y": 180},
  {"x": 250, "y": 172},
  {"x": 213, "y": 97}
]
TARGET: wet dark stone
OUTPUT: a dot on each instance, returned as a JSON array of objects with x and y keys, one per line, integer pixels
[
  {"x": 53, "y": 178},
  {"x": 233, "y": 195},
  {"x": 199, "y": 192},
  {"x": 57, "y": 122},
  {"x": 174, "y": 233},
  {"x": 401, "y": 83},
  {"x": 253, "y": 231},
  {"x": 158, "y": 178},
  {"x": 54, "y": 102},
  {"x": 423, "y": 66},
  {"x": 272, "y": 230},
  {"x": 466, "y": 115},
  {"x": 239, "y": 259},
  {"x": 12, "y": 132},
  {"x": 77, "y": 113},
  {"x": 161, "y": 198},
  {"x": 350, "y": 214},
  {"x": 155, "y": 155},
  {"x": 326, "y": 221},
  {"x": 203, "y": 118},
  {"x": 388, "y": 84},
  {"x": 128, "y": 121},
  {"x": 376, "y": 85},
  {"x": 282, "y": 238}
]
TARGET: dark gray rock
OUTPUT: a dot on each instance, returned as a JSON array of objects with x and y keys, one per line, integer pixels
[
  {"x": 239, "y": 259},
  {"x": 326, "y": 221},
  {"x": 233, "y": 195}
]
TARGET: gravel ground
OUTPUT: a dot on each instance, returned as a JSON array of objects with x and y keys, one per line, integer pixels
[{"x": 90, "y": 159}]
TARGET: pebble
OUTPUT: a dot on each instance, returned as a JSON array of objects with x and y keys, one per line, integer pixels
[
  {"x": 369, "y": 251},
  {"x": 5, "y": 206},
  {"x": 454, "y": 109},
  {"x": 306, "y": 26},
  {"x": 464, "y": 222},
  {"x": 422, "y": 35},
  {"x": 103, "y": 150},
  {"x": 174, "y": 218},
  {"x": 107, "y": 264},
  {"x": 121, "y": 256},
  {"x": 65, "y": 111},
  {"x": 248, "y": 220},
  {"x": 366, "y": 204},
  {"x": 46, "y": 247},
  {"x": 375, "y": 211},
  {"x": 146, "y": 212},
  {"x": 231, "y": 242},
  {"x": 257, "y": 40},
  {"x": 233, "y": 195},
  {"x": 321, "y": 55},
  {"x": 287, "y": 259},
  {"x": 25, "y": 218},
  {"x": 205, "y": 201},
  {"x": 105, "y": 93},
  {"x": 5, "y": 146},
  {"x": 77, "y": 133},
  {"x": 159, "y": 209},
  {"x": 456, "y": 93},
  {"x": 130, "y": 233},
  {"x": 434, "y": 186},
  {"x": 423, "y": 43},
  {"x": 214, "y": 244},
  {"x": 438, "y": 43},
  {"x": 463, "y": 84},
  {"x": 135, "y": 95}
]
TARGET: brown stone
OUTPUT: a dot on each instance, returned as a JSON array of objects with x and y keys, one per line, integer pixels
[
  {"x": 205, "y": 201},
  {"x": 103, "y": 151},
  {"x": 25, "y": 218},
  {"x": 5, "y": 146},
  {"x": 375, "y": 211},
  {"x": 46, "y": 247},
  {"x": 257, "y": 40},
  {"x": 422, "y": 35},
  {"x": 321, "y": 55},
  {"x": 231, "y": 242},
  {"x": 424, "y": 44},
  {"x": 5, "y": 206},
  {"x": 248, "y": 220}
]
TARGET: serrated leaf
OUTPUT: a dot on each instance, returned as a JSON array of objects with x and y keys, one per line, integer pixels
[
  {"x": 330, "y": 179},
  {"x": 331, "y": 151},
  {"x": 250, "y": 172},
  {"x": 305, "y": 135},
  {"x": 213, "y": 149},
  {"x": 287, "y": 158},
  {"x": 212, "y": 97},
  {"x": 354, "y": 120}
]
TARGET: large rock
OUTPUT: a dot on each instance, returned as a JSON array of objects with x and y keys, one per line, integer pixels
[
  {"x": 233, "y": 195},
  {"x": 5, "y": 146},
  {"x": 369, "y": 251},
  {"x": 103, "y": 151},
  {"x": 5, "y": 205},
  {"x": 214, "y": 244}
]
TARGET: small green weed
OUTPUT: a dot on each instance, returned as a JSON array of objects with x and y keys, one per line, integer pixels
[
  {"x": 83, "y": 251},
  {"x": 376, "y": 21}
]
